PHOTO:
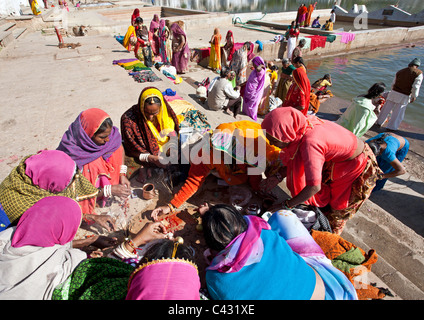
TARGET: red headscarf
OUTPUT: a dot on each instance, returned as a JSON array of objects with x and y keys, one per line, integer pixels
[
  {"x": 232, "y": 48},
  {"x": 92, "y": 119},
  {"x": 289, "y": 125},
  {"x": 135, "y": 14}
]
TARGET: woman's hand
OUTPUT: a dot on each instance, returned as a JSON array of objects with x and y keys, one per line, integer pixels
[
  {"x": 123, "y": 180},
  {"x": 159, "y": 211},
  {"x": 150, "y": 231},
  {"x": 156, "y": 160},
  {"x": 121, "y": 191},
  {"x": 103, "y": 220}
]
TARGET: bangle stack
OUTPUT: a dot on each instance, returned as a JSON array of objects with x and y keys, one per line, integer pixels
[
  {"x": 122, "y": 252},
  {"x": 107, "y": 191},
  {"x": 173, "y": 209},
  {"x": 144, "y": 157},
  {"x": 123, "y": 170}
]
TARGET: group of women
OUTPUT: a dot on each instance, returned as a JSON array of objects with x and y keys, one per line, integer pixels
[
  {"x": 48, "y": 194},
  {"x": 163, "y": 41}
]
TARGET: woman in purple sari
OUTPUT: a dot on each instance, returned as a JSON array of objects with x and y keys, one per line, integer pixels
[
  {"x": 254, "y": 89},
  {"x": 181, "y": 51}
]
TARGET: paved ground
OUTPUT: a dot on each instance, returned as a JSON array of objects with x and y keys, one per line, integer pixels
[{"x": 44, "y": 88}]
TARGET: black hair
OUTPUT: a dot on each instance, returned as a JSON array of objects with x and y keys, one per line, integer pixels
[
  {"x": 247, "y": 44},
  {"x": 163, "y": 249},
  {"x": 299, "y": 60},
  {"x": 221, "y": 224},
  {"x": 375, "y": 90},
  {"x": 152, "y": 100},
  {"x": 375, "y": 144},
  {"x": 224, "y": 72},
  {"x": 326, "y": 76},
  {"x": 274, "y": 67},
  {"x": 107, "y": 123},
  {"x": 139, "y": 20}
]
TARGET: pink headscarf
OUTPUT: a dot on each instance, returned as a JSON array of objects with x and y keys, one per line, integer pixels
[
  {"x": 51, "y": 170},
  {"x": 51, "y": 220},
  {"x": 166, "y": 279}
]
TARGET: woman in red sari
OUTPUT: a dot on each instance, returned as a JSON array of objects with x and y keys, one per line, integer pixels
[
  {"x": 327, "y": 165},
  {"x": 299, "y": 92}
]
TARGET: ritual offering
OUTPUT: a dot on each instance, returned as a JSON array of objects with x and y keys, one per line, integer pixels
[
  {"x": 172, "y": 223},
  {"x": 149, "y": 191}
]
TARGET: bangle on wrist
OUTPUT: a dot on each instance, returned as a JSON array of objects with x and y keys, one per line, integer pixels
[
  {"x": 172, "y": 207},
  {"x": 123, "y": 170},
  {"x": 144, "y": 157},
  {"x": 107, "y": 191}
]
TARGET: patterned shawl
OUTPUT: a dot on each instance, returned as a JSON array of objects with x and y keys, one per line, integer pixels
[
  {"x": 96, "y": 279},
  {"x": 18, "y": 192}
]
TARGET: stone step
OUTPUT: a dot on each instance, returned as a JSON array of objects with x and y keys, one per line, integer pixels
[
  {"x": 7, "y": 26},
  {"x": 17, "y": 32},
  {"x": 6, "y": 37}
]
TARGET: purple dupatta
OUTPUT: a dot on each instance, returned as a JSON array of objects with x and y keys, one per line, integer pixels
[{"x": 254, "y": 90}]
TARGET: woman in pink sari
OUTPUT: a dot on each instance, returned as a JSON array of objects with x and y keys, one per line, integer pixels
[
  {"x": 154, "y": 29},
  {"x": 327, "y": 165},
  {"x": 180, "y": 49},
  {"x": 253, "y": 92}
]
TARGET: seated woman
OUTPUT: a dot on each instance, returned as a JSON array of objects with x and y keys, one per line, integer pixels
[
  {"x": 146, "y": 128},
  {"x": 360, "y": 116},
  {"x": 240, "y": 142},
  {"x": 281, "y": 253},
  {"x": 327, "y": 165},
  {"x": 47, "y": 173},
  {"x": 37, "y": 254},
  {"x": 166, "y": 272},
  {"x": 299, "y": 92},
  {"x": 94, "y": 143},
  {"x": 127, "y": 275},
  {"x": 390, "y": 150}
]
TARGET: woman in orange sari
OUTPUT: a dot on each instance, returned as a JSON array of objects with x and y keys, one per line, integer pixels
[
  {"x": 215, "y": 56},
  {"x": 298, "y": 95},
  {"x": 95, "y": 145},
  {"x": 234, "y": 156}
]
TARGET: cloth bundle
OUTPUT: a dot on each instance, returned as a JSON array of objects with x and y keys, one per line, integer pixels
[{"x": 144, "y": 76}]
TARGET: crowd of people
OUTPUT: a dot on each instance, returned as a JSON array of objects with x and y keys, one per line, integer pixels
[{"x": 326, "y": 165}]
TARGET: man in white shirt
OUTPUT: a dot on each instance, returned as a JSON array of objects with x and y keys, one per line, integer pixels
[
  {"x": 405, "y": 89},
  {"x": 333, "y": 16},
  {"x": 222, "y": 96}
]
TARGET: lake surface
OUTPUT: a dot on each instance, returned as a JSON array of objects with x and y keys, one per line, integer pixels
[{"x": 354, "y": 74}]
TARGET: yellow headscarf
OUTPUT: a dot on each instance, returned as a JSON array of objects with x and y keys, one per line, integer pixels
[
  {"x": 167, "y": 124},
  {"x": 126, "y": 42}
]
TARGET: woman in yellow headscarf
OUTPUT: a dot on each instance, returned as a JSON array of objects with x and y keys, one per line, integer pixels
[
  {"x": 146, "y": 128},
  {"x": 130, "y": 39}
]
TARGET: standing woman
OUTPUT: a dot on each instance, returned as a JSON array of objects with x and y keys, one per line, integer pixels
[
  {"x": 165, "y": 50},
  {"x": 146, "y": 127},
  {"x": 327, "y": 165},
  {"x": 303, "y": 11},
  {"x": 180, "y": 49},
  {"x": 95, "y": 145},
  {"x": 298, "y": 95},
  {"x": 215, "y": 56},
  {"x": 136, "y": 13},
  {"x": 254, "y": 89},
  {"x": 229, "y": 49},
  {"x": 390, "y": 150},
  {"x": 292, "y": 40},
  {"x": 154, "y": 28},
  {"x": 239, "y": 63}
]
